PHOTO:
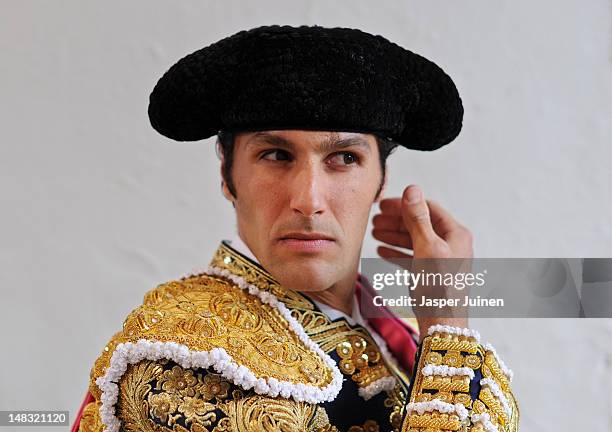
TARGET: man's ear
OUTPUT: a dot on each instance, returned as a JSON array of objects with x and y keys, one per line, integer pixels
[
  {"x": 226, "y": 192},
  {"x": 224, "y": 189},
  {"x": 381, "y": 194}
]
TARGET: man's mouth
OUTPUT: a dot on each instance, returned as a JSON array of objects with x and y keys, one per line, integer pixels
[{"x": 306, "y": 242}]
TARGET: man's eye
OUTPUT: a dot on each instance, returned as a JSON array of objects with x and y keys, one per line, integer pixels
[
  {"x": 281, "y": 155},
  {"x": 344, "y": 158}
]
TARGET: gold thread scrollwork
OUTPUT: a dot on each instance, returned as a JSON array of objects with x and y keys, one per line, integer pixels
[
  {"x": 155, "y": 399},
  {"x": 361, "y": 360},
  {"x": 90, "y": 419},
  {"x": 396, "y": 401},
  {"x": 459, "y": 351}
]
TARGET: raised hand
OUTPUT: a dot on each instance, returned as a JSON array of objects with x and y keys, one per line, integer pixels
[{"x": 414, "y": 227}]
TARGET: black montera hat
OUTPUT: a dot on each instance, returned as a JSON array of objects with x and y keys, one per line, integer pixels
[{"x": 307, "y": 77}]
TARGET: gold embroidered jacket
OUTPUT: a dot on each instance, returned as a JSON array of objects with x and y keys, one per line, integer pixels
[{"x": 231, "y": 350}]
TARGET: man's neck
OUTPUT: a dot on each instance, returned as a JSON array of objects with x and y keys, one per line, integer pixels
[{"x": 338, "y": 296}]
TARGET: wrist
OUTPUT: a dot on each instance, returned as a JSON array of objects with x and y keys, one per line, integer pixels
[{"x": 426, "y": 323}]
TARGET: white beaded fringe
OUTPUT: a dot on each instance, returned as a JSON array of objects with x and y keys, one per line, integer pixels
[{"x": 130, "y": 353}]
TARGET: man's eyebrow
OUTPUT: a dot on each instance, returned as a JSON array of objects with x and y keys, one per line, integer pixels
[
  {"x": 333, "y": 142},
  {"x": 263, "y": 138}
]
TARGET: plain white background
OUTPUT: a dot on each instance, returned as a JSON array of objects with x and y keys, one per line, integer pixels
[{"x": 97, "y": 208}]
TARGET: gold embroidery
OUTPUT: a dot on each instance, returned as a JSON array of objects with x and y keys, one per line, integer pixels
[
  {"x": 226, "y": 258},
  {"x": 162, "y": 405},
  {"x": 224, "y": 425},
  {"x": 205, "y": 312},
  {"x": 396, "y": 400},
  {"x": 444, "y": 396},
  {"x": 260, "y": 413},
  {"x": 141, "y": 408},
  {"x": 514, "y": 421},
  {"x": 133, "y": 406},
  {"x": 479, "y": 407},
  {"x": 456, "y": 351},
  {"x": 214, "y": 386},
  {"x": 275, "y": 348},
  {"x": 196, "y": 410},
  {"x": 494, "y": 405},
  {"x": 451, "y": 345},
  {"x": 452, "y": 358},
  {"x": 236, "y": 312},
  {"x": 320, "y": 422},
  {"x": 361, "y": 360},
  {"x": 455, "y": 383},
  {"x": 435, "y": 421},
  {"x": 90, "y": 419},
  {"x": 325, "y": 333},
  {"x": 496, "y": 372},
  {"x": 463, "y": 398},
  {"x": 178, "y": 380},
  {"x": 434, "y": 358},
  {"x": 328, "y": 335},
  {"x": 472, "y": 361},
  {"x": 423, "y": 397},
  {"x": 368, "y": 426}
]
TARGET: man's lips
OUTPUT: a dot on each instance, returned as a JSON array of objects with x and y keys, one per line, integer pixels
[
  {"x": 306, "y": 242},
  {"x": 306, "y": 236}
]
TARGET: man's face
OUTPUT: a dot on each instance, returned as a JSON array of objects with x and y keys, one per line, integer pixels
[{"x": 303, "y": 202}]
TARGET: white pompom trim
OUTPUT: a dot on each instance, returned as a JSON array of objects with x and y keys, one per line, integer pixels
[
  {"x": 472, "y": 333},
  {"x": 505, "y": 369},
  {"x": 444, "y": 370},
  {"x": 381, "y": 384},
  {"x": 485, "y": 420},
  {"x": 454, "y": 330},
  {"x": 385, "y": 383},
  {"x": 438, "y": 405},
  {"x": 498, "y": 394},
  {"x": 131, "y": 353}
]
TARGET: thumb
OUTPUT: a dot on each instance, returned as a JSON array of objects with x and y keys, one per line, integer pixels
[{"x": 415, "y": 214}]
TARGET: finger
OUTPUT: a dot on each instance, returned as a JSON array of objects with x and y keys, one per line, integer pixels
[
  {"x": 395, "y": 257},
  {"x": 390, "y": 253},
  {"x": 443, "y": 222},
  {"x": 391, "y": 206},
  {"x": 394, "y": 238},
  {"x": 390, "y": 223},
  {"x": 416, "y": 217}
]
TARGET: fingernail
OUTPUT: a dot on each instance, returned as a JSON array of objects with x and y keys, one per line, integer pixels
[{"x": 414, "y": 195}]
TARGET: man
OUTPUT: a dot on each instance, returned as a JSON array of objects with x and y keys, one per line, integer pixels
[{"x": 270, "y": 336}]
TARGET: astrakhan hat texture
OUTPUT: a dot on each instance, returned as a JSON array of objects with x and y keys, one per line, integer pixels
[{"x": 307, "y": 77}]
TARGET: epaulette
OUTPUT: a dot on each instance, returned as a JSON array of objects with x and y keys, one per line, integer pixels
[{"x": 207, "y": 321}]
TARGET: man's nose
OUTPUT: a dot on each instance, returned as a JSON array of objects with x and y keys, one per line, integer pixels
[{"x": 306, "y": 189}]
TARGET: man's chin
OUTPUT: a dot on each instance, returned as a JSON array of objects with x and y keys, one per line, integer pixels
[
  {"x": 302, "y": 259},
  {"x": 306, "y": 275}
]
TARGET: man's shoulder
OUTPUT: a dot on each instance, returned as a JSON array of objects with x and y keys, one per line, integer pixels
[{"x": 206, "y": 321}]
